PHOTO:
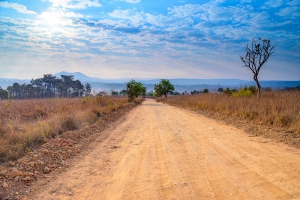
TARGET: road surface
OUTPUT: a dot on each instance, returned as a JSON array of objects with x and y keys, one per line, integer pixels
[{"x": 162, "y": 152}]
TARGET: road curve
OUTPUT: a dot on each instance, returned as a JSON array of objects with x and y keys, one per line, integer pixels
[{"x": 162, "y": 152}]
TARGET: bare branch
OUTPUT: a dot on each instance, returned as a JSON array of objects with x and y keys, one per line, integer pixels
[{"x": 257, "y": 56}]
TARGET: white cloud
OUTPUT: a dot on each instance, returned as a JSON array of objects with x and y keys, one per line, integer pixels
[
  {"x": 283, "y": 23},
  {"x": 135, "y": 18},
  {"x": 209, "y": 12},
  {"x": 289, "y": 12},
  {"x": 77, "y": 4},
  {"x": 246, "y": 1},
  {"x": 293, "y": 3},
  {"x": 56, "y": 16},
  {"x": 185, "y": 10},
  {"x": 156, "y": 20},
  {"x": 73, "y": 15},
  {"x": 213, "y": 15},
  {"x": 131, "y": 18},
  {"x": 132, "y": 1},
  {"x": 20, "y": 8},
  {"x": 80, "y": 44},
  {"x": 108, "y": 22},
  {"x": 19, "y": 21},
  {"x": 273, "y": 3},
  {"x": 260, "y": 19}
]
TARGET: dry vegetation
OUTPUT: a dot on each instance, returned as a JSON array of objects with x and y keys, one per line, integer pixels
[
  {"x": 24, "y": 124},
  {"x": 278, "y": 109}
]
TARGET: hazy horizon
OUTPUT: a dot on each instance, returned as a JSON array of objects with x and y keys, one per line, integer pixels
[{"x": 141, "y": 78}]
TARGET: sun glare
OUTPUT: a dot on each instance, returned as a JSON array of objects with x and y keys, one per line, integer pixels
[{"x": 50, "y": 19}]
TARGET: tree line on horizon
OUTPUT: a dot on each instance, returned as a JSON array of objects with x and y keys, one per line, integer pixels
[{"x": 48, "y": 86}]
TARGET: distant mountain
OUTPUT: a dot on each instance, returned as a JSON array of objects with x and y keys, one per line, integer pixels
[
  {"x": 84, "y": 78},
  {"x": 181, "y": 84},
  {"x": 185, "y": 81},
  {"x": 5, "y": 82},
  {"x": 78, "y": 76}
]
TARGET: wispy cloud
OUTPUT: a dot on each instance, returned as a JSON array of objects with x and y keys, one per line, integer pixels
[
  {"x": 76, "y": 4},
  {"x": 135, "y": 18},
  {"x": 20, "y": 8},
  {"x": 274, "y": 3},
  {"x": 246, "y": 1},
  {"x": 293, "y": 2},
  {"x": 289, "y": 12},
  {"x": 132, "y": 1}
]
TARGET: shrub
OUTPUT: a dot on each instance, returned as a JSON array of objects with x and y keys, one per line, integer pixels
[
  {"x": 227, "y": 91},
  {"x": 242, "y": 93},
  {"x": 205, "y": 91}
]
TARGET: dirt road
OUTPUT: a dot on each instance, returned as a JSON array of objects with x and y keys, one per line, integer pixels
[{"x": 162, "y": 152}]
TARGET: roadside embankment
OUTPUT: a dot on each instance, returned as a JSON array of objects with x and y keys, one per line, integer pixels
[{"x": 275, "y": 115}]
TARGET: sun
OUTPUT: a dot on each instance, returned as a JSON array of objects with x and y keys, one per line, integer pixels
[{"x": 50, "y": 19}]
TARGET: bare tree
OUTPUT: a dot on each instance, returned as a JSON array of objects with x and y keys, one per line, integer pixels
[{"x": 256, "y": 56}]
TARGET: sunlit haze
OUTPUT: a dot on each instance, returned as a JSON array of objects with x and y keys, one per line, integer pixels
[{"x": 147, "y": 39}]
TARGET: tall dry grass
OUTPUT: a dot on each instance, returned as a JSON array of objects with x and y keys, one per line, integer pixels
[
  {"x": 277, "y": 108},
  {"x": 26, "y": 123}
]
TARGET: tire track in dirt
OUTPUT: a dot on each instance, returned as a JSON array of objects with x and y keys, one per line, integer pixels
[
  {"x": 293, "y": 168},
  {"x": 161, "y": 152}
]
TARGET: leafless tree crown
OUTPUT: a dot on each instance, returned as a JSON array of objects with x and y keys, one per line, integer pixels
[{"x": 257, "y": 54}]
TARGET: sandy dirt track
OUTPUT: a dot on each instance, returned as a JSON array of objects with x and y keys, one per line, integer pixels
[{"x": 162, "y": 152}]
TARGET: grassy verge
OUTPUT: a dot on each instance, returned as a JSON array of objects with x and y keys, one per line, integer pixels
[
  {"x": 280, "y": 109},
  {"x": 24, "y": 124}
]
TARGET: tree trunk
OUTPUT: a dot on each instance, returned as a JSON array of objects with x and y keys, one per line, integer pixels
[
  {"x": 258, "y": 86},
  {"x": 166, "y": 95}
]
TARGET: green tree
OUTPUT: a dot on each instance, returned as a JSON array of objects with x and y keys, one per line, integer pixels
[
  {"x": 67, "y": 83},
  {"x": 49, "y": 83},
  {"x": 256, "y": 56},
  {"x": 220, "y": 90},
  {"x": 228, "y": 91},
  {"x": 16, "y": 89},
  {"x": 144, "y": 91},
  {"x": 123, "y": 92},
  {"x": 30, "y": 91},
  {"x": 3, "y": 94},
  {"x": 114, "y": 93},
  {"x": 163, "y": 88},
  {"x": 77, "y": 89},
  {"x": 134, "y": 89},
  {"x": 38, "y": 87},
  {"x": 10, "y": 91},
  {"x": 205, "y": 91},
  {"x": 88, "y": 89}
]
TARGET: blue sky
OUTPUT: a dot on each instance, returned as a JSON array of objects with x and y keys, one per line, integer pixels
[{"x": 146, "y": 38}]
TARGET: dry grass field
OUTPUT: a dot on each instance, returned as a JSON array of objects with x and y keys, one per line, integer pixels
[
  {"x": 280, "y": 109},
  {"x": 24, "y": 124}
]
